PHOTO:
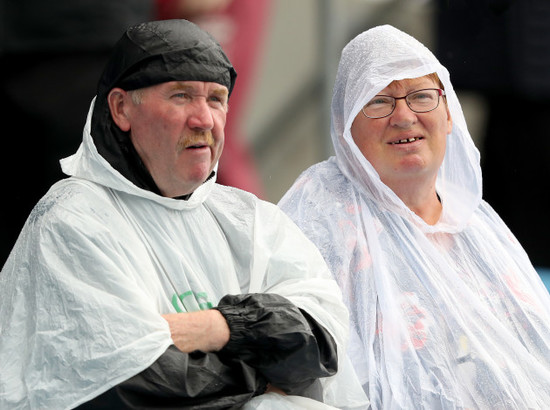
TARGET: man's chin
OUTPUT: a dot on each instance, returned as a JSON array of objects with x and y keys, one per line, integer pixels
[{"x": 192, "y": 185}]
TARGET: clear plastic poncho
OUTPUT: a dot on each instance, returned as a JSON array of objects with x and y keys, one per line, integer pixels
[
  {"x": 99, "y": 260},
  {"x": 450, "y": 315}
]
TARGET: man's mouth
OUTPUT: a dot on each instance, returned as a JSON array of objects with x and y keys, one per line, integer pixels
[
  {"x": 197, "y": 140},
  {"x": 406, "y": 140}
]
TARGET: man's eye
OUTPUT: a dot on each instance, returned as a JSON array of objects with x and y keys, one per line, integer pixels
[
  {"x": 216, "y": 99},
  {"x": 181, "y": 95},
  {"x": 217, "y": 102}
]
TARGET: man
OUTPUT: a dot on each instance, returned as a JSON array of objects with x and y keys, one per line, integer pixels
[{"x": 140, "y": 282}]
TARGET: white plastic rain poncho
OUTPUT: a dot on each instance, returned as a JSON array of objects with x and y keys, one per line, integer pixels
[
  {"x": 99, "y": 260},
  {"x": 450, "y": 315}
]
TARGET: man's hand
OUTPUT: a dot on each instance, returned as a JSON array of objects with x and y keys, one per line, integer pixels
[
  {"x": 273, "y": 389},
  {"x": 204, "y": 330}
]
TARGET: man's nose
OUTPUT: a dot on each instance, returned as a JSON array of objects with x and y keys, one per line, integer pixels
[
  {"x": 402, "y": 116},
  {"x": 200, "y": 116}
]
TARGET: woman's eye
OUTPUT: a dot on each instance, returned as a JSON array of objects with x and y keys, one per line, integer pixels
[
  {"x": 378, "y": 101},
  {"x": 422, "y": 96}
]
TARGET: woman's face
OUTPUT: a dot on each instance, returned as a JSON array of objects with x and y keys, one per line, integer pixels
[{"x": 405, "y": 145}]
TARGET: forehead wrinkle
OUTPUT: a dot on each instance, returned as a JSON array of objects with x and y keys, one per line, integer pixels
[{"x": 220, "y": 90}]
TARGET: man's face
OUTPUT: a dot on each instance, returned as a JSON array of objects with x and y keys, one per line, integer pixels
[{"x": 177, "y": 128}]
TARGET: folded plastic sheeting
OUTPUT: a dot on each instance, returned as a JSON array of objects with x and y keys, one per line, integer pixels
[
  {"x": 99, "y": 260},
  {"x": 451, "y": 315}
]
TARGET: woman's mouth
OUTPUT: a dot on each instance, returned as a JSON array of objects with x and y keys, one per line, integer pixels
[{"x": 406, "y": 140}]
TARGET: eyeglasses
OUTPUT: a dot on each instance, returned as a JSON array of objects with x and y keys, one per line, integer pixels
[{"x": 418, "y": 101}]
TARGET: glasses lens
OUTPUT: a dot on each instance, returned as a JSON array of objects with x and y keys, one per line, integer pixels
[
  {"x": 379, "y": 106},
  {"x": 423, "y": 100}
]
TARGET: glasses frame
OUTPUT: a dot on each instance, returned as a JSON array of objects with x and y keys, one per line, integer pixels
[{"x": 440, "y": 94}]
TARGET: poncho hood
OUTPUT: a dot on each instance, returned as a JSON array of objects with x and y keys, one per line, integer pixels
[
  {"x": 148, "y": 54},
  {"x": 369, "y": 63}
]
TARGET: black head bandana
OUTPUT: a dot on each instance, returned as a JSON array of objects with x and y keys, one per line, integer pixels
[{"x": 149, "y": 54}]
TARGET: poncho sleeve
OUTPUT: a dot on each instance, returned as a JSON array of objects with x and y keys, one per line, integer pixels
[
  {"x": 196, "y": 380},
  {"x": 76, "y": 317},
  {"x": 284, "y": 343},
  {"x": 271, "y": 340}
]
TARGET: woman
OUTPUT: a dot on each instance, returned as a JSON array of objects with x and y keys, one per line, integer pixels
[{"x": 447, "y": 310}]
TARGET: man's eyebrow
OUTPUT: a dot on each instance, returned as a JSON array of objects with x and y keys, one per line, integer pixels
[
  {"x": 181, "y": 87},
  {"x": 220, "y": 92}
]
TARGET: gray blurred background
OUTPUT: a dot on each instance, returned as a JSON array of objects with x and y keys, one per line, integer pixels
[
  {"x": 497, "y": 51},
  {"x": 288, "y": 115}
]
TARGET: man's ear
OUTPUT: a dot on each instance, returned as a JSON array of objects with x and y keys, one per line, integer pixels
[{"x": 118, "y": 100}]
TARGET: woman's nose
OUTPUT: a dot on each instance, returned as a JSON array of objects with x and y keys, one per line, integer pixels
[{"x": 402, "y": 116}]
